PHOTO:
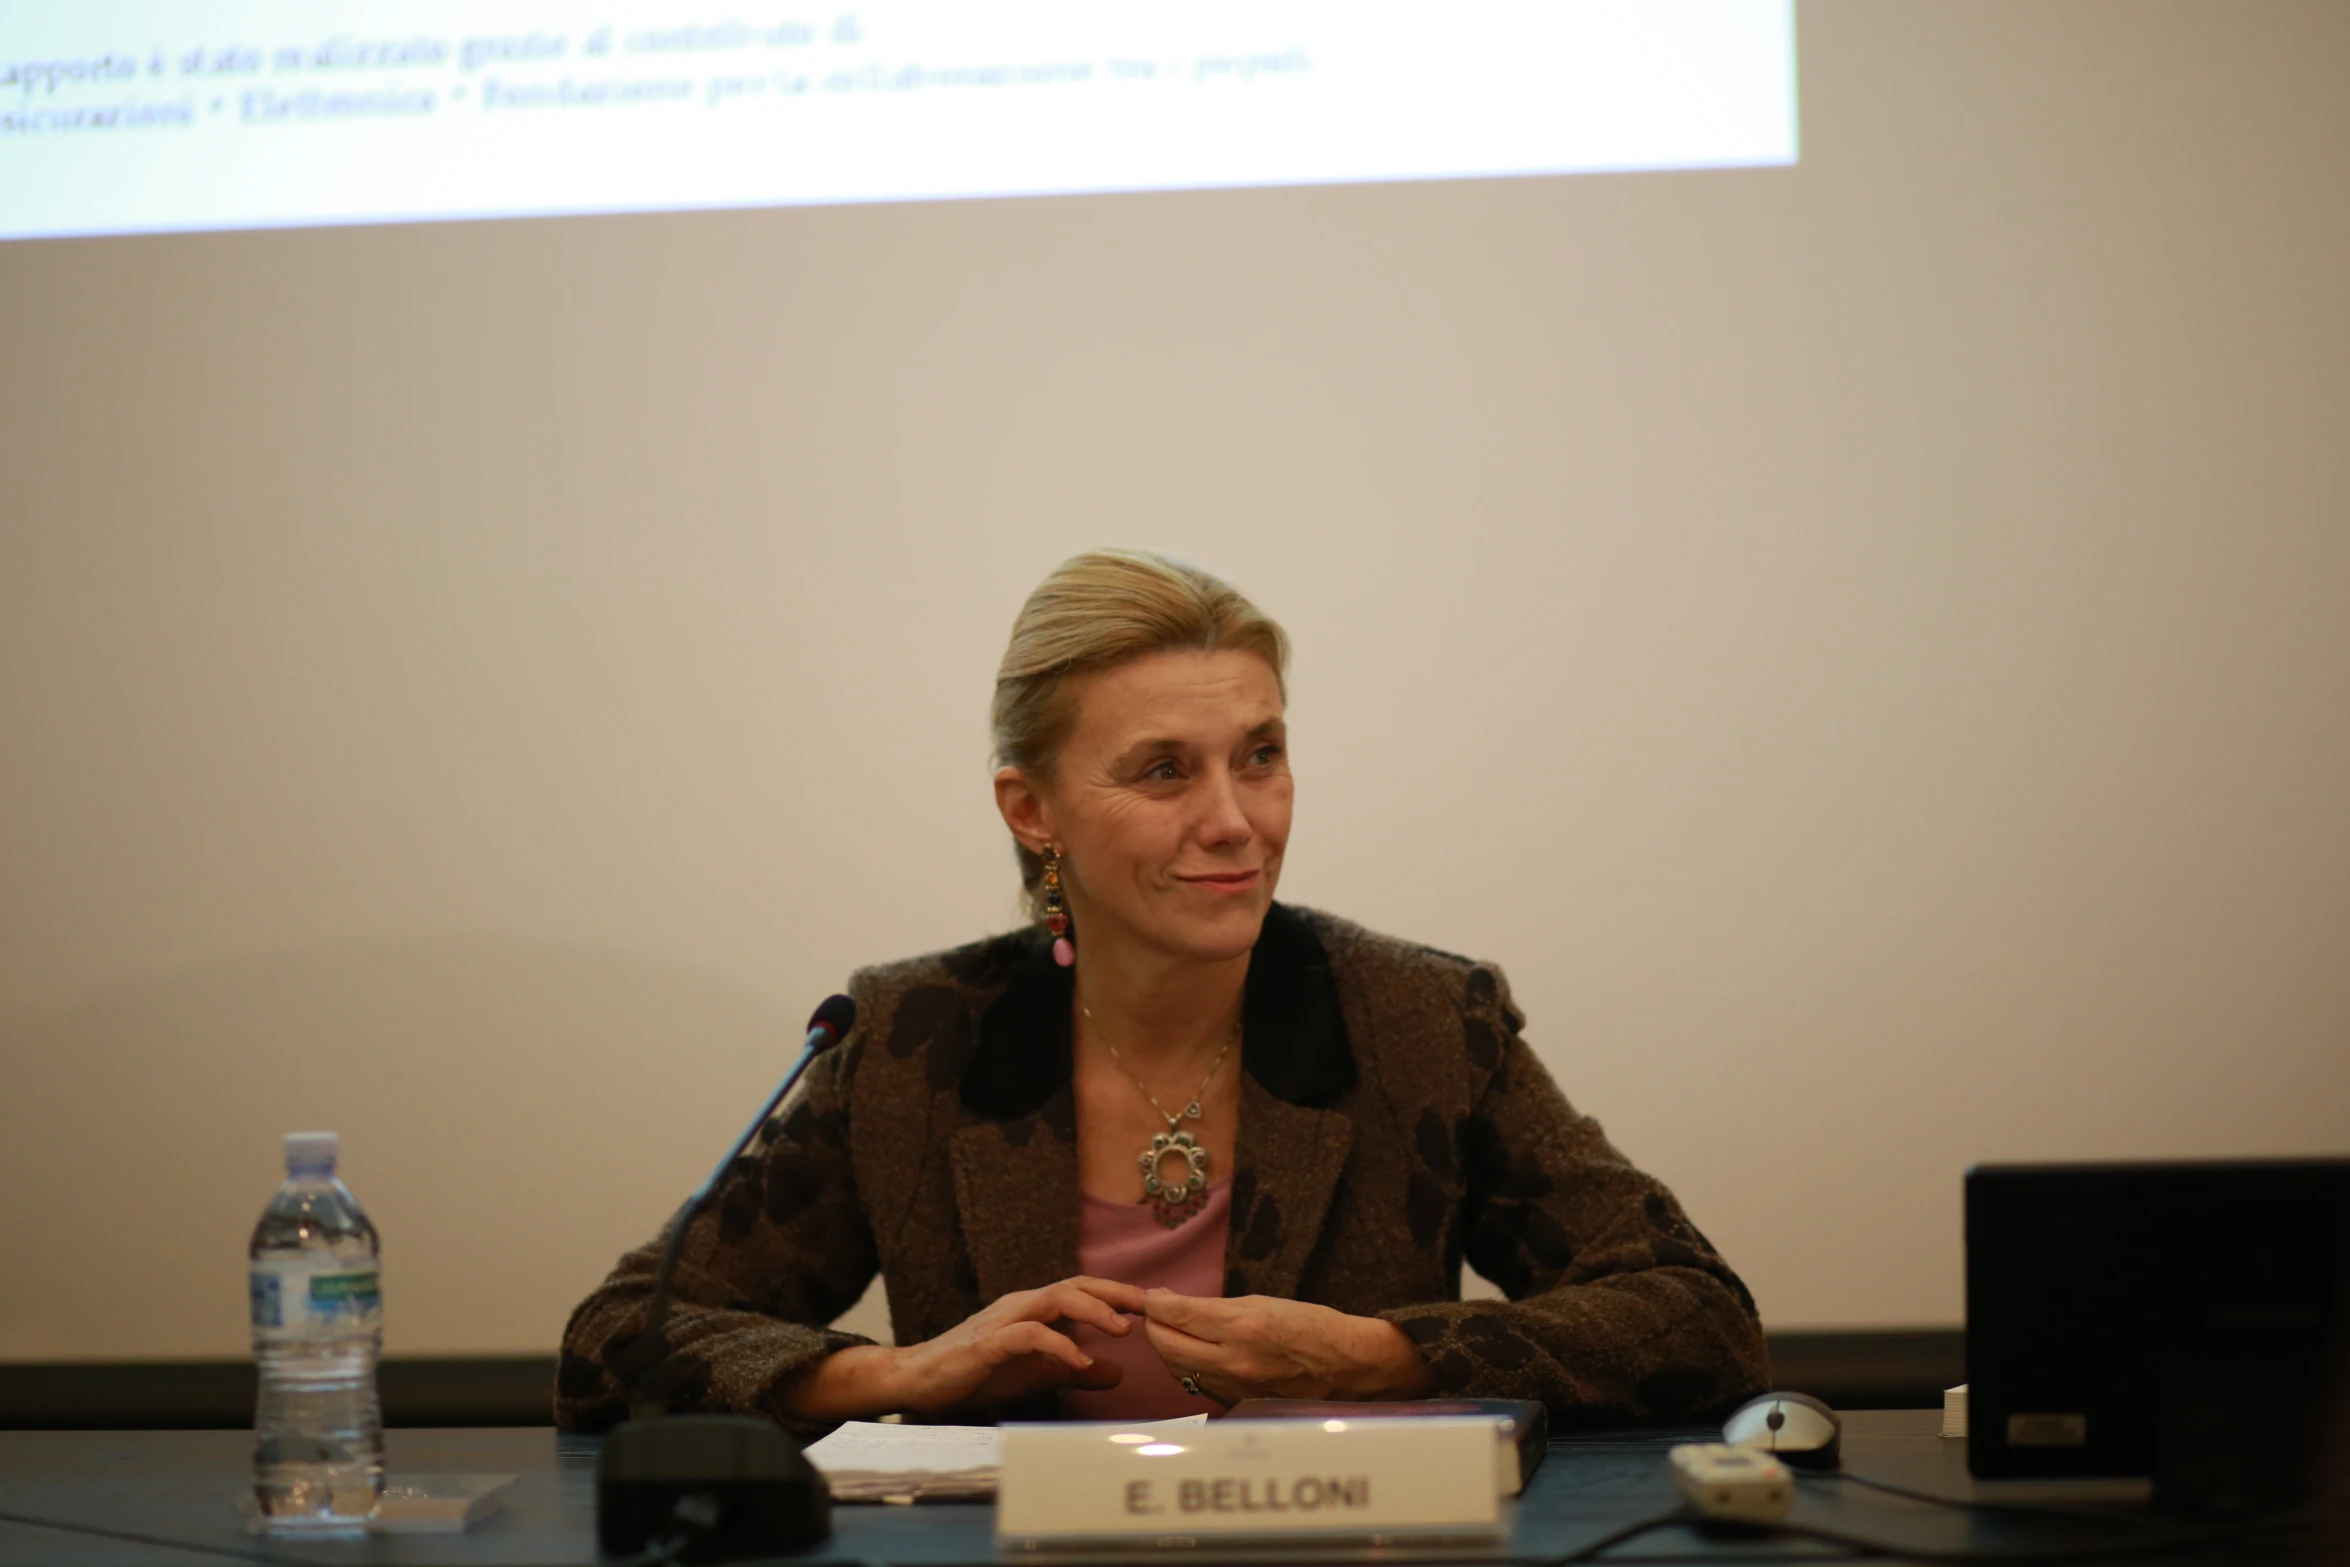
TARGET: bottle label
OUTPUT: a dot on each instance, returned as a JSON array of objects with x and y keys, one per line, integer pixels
[{"x": 298, "y": 1297}]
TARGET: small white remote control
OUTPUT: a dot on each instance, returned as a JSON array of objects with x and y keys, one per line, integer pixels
[{"x": 1732, "y": 1482}]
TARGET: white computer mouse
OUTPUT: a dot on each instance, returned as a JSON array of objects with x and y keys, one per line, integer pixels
[{"x": 1794, "y": 1428}]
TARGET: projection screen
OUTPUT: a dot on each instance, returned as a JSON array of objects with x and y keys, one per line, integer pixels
[{"x": 132, "y": 117}]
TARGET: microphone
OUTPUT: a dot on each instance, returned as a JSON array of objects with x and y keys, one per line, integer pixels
[{"x": 727, "y": 1484}]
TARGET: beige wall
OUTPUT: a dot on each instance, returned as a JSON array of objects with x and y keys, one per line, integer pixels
[{"x": 1866, "y": 646}]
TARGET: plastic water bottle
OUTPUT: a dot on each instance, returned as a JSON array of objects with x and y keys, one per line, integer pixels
[{"x": 317, "y": 1333}]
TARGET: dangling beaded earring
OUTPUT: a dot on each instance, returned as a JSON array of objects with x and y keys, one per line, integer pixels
[{"x": 1056, "y": 911}]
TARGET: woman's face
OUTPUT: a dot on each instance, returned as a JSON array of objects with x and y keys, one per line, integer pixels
[{"x": 1171, "y": 801}]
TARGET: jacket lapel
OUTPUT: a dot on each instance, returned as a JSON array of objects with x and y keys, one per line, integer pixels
[
  {"x": 1287, "y": 1166},
  {"x": 1016, "y": 1194}
]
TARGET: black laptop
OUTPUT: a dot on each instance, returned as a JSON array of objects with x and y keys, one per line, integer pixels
[{"x": 2179, "y": 1321}]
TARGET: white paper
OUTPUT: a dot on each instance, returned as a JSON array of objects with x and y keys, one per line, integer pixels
[
  {"x": 873, "y": 1447},
  {"x": 873, "y": 1461}
]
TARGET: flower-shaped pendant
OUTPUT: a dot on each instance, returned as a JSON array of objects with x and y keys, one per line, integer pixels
[{"x": 1180, "y": 1198}]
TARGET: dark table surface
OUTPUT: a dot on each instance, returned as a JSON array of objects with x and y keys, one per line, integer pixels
[{"x": 181, "y": 1486}]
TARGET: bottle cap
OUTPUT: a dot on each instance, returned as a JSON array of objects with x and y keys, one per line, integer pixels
[{"x": 312, "y": 1152}]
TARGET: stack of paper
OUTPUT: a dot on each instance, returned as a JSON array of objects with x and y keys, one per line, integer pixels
[
  {"x": 869, "y": 1461},
  {"x": 1954, "y": 1411},
  {"x": 866, "y": 1461}
]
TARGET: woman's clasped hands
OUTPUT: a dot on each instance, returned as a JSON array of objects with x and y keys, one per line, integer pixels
[
  {"x": 1260, "y": 1346},
  {"x": 1005, "y": 1352},
  {"x": 1255, "y": 1346}
]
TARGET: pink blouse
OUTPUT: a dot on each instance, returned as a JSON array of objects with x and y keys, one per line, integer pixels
[{"x": 1125, "y": 1241}]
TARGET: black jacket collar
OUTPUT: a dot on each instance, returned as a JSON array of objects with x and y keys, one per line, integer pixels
[{"x": 1292, "y": 1035}]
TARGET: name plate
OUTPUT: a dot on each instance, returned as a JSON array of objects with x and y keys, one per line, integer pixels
[{"x": 1074, "y": 1484}]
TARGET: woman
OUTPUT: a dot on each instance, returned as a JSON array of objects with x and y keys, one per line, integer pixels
[{"x": 1176, "y": 1145}]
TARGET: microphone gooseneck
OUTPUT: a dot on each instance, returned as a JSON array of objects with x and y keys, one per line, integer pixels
[
  {"x": 827, "y": 1026},
  {"x": 704, "y": 1487}
]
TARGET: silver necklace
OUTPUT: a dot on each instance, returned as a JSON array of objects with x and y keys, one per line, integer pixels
[{"x": 1179, "y": 1199}]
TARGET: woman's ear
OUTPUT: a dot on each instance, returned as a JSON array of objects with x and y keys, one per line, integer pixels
[{"x": 1024, "y": 809}]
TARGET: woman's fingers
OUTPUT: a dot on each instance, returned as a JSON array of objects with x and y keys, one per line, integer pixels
[
  {"x": 1071, "y": 1299},
  {"x": 1249, "y": 1347},
  {"x": 1015, "y": 1347},
  {"x": 1118, "y": 1296},
  {"x": 1029, "y": 1357},
  {"x": 1255, "y": 1347},
  {"x": 1174, "y": 1345},
  {"x": 1196, "y": 1315},
  {"x": 1207, "y": 1364}
]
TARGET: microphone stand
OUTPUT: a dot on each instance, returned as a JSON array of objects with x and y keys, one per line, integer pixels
[{"x": 706, "y": 1487}]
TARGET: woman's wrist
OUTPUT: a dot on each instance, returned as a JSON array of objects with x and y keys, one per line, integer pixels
[
  {"x": 1388, "y": 1364},
  {"x": 855, "y": 1383}
]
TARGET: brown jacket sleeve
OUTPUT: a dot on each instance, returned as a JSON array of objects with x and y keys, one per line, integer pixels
[
  {"x": 784, "y": 1244},
  {"x": 1618, "y": 1309}
]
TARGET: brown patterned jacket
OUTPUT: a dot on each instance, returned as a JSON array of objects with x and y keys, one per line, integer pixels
[{"x": 1392, "y": 1125}]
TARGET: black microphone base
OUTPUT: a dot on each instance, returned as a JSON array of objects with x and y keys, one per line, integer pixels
[{"x": 746, "y": 1488}]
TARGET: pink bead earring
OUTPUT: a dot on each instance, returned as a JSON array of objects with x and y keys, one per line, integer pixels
[{"x": 1056, "y": 910}]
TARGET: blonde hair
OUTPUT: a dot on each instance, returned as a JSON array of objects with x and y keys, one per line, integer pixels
[{"x": 1094, "y": 611}]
